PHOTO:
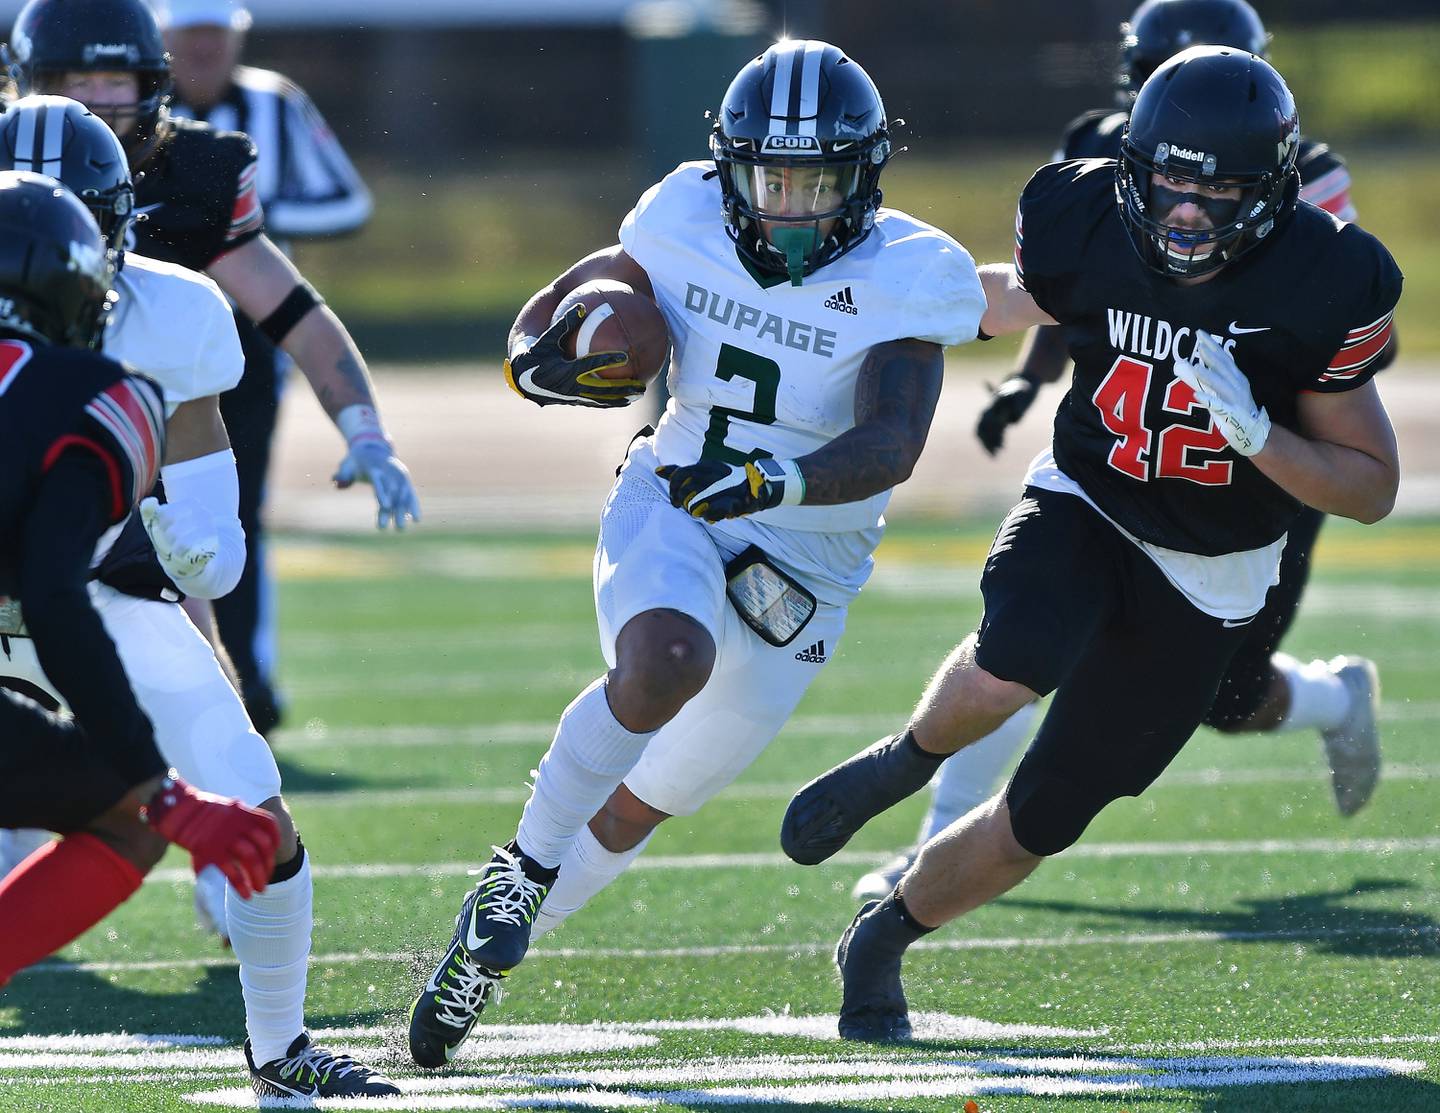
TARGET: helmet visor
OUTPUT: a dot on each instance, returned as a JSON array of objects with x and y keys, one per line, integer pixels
[{"x": 788, "y": 192}]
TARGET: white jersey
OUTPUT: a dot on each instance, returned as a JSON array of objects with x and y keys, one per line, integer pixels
[
  {"x": 174, "y": 325},
  {"x": 772, "y": 369}
]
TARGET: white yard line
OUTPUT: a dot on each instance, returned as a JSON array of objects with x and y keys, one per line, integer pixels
[
  {"x": 783, "y": 790},
  {"x": 538, "y": 732},
  {"x": 803, "y": 947},
  {"x": 765, "y": 860}
]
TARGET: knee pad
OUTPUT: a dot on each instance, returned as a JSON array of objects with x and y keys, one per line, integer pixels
[{"x": 1050, "y": 811}]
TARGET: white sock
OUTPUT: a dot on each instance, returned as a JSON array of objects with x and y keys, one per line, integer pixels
[
  {"x": 271, "y": 936},
  {"x": 1318, "y": 698},
  {"x": 586, "y": 869},
  {"x": 587, "y": 761},
  {"x": 968, "y": 778},
  {"x": 18, "y": 844}
]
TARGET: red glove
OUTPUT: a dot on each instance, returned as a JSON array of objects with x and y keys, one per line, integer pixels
[{"x": 241, "y": 841}]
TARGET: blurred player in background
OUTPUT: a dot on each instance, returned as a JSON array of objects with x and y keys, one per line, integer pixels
[
  {"x": 808, "y": 327},
  {"x": 81, "y": 441},
  {"x": 197, "y": 189},
  {"x": 307, "y": 188},
  {"x": 1264, "y": 690},
  {"x": 1224, "y": 336},
  {"x": 191, "y": 543}
]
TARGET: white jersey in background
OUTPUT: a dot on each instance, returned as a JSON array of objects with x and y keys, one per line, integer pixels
[
  {"x": 175, "y": 326},
  {"x": 771, "y": 370}
]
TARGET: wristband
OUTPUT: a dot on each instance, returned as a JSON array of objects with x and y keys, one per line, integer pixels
[
  {"x": 792, "y": 491},
  {"x": 359, "y": 422}
]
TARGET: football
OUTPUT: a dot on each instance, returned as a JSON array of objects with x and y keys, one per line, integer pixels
[{"x": 617, "y": 319}]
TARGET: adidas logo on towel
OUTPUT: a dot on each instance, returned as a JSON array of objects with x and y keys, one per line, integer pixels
[
  {"x": 842, "y": 301},
  {"x": 815, "y": 655}
]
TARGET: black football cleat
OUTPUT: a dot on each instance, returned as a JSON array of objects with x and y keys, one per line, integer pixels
[
  {"x": 825, "y": 814},
  {"x": 309, "y": 1072},
  {"x": 492, "y": 934},
  {"x": 873, "y": 1007}
]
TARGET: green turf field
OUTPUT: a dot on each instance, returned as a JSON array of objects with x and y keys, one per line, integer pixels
[{"x": 1225, "y": 942}]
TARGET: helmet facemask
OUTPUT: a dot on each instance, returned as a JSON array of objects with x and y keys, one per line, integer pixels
[
  {"x": 791, "y": 213},
  {"x": 149, "y": 113},
  {"x": 1230, "y": 225}
]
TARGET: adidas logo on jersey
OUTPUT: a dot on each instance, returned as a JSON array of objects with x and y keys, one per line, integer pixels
[
  {"x": 815, "y": 655},
  {"x": 842, "y": 302}
]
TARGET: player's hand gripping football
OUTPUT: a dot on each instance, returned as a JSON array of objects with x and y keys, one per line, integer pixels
[
  {"x": 715, "y": 491},
  {"x": 239, "y": 840},
  {"x": 371, "y": 459},
  {"x": 1221, "y": 387},
  {"x": 183, "y": 534},
  {"x": 1008, "y": 403},
  {"x": 541, "y": 373}
]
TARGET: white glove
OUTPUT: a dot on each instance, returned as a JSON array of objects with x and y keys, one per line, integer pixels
[
  {"x": 184, "y": 535},
  {"x": 1221, "y": 387},
  {"x": 372, "y": 460}
]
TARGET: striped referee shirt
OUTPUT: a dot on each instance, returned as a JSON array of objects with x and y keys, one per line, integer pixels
[{"x": 307, "y": 185}]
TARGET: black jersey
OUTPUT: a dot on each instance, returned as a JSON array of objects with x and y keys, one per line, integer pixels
[
  {"x": 1324, "y": 177},
  {"x": 80, "y": 442},
  {"x": 1308, "y": 311},
  {"x": 197, "y": 198},
  {"x": 54, "y": 399}
]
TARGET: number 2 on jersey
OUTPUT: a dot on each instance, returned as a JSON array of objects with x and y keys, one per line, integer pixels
[
  {"x": 1121, "y": 398},
  {"x": 737, "y": 363}
]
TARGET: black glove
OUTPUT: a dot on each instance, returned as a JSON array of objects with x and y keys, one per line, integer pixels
[
  {"x": 715, "y": 491},
  {"x": 1007, "y": 405},
  {"x": 542, "y": 374}
]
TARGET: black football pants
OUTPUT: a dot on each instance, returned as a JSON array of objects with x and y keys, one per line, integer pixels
[
  {"x": 250, "y": 412},
  {"x": 1247, "y": 682},
  {"x": 1074, "y": 607},
  {"x": 51, "y": 775}
]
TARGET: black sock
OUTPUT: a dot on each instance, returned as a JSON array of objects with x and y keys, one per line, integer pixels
[
  {"x": 890, "y": 929},
  {"x": 544, "y": 875},
  {"x": 908, "y": 740},
  {"x": 903, "y": 911}
]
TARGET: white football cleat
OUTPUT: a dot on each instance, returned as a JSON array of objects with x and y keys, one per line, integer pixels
[
  {"x": 881, "y": 881},
  {"x": 1353, "y": 747},
  {"x": 210, "y": 904}
]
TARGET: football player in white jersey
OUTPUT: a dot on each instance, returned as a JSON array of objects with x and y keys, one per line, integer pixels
[
  {"x": 808, "y": 327},
  {"x": 175, "y": 326}
]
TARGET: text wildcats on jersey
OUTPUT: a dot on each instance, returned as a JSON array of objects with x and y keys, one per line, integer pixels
[{"x": 1153, "y": 338}]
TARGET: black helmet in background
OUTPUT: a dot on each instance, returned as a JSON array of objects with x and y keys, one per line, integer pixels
[
  {"x": 799, "y": 143},
  {"x": 54, "y": 37},
  {"x": 1160, "y": 29}
]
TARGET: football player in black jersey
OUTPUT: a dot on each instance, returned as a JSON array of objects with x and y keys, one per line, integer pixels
[
  {"x": 1224, "y": 336},
  {"x": 195, "y": 188},
  {"x": 1264, "y": 690},
  {"x": 80, "y": 443}
]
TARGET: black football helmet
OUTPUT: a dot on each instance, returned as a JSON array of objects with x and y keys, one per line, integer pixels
[
  {"x": 799, "y": 143},
  {"x": 1161, "y": 29},
  {"x": 1210, "y": 118},
  {"x": 55, "y": 37},
  {"x": 62, "y": 138},
  {"x": 55, "y": 269}
]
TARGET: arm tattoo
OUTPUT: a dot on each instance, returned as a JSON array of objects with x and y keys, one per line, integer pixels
[
  {"x": 895, "y": 396},
  {"x": 353, "y": 385}
]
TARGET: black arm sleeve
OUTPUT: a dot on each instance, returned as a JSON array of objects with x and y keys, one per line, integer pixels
[{"x": 71, "y": 511}]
